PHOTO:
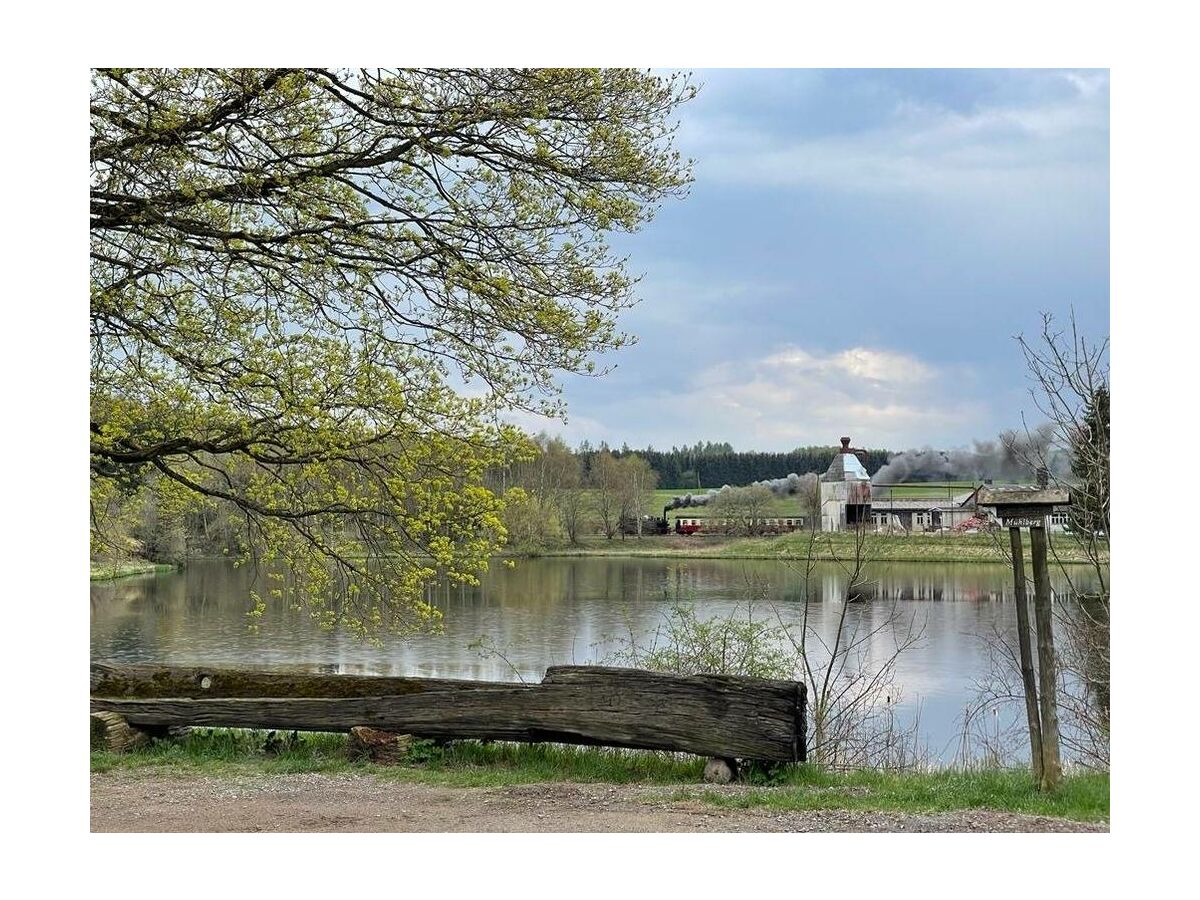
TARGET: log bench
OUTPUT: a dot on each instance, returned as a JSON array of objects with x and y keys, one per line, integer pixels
[{"x": 720, "y": 716}]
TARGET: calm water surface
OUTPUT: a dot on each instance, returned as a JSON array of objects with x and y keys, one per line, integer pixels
[{"x": 554, "y": 611}]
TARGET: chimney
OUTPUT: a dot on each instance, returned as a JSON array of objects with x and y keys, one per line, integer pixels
[
  {"x": 1043, "y": 477},
  {"x": 845, "y": 445}
]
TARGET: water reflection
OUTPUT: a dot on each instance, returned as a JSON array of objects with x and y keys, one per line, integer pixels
[{"x": 555, "y": 611}]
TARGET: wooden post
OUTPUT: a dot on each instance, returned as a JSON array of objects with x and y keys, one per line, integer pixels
[
  {"x": 1043, "y": 610},
  {"x": 110, "y": 731},
  {"x": 378, "y": 746},
  {"x": 720, "y": 771},
  {"x": 1027, "y": 678}
]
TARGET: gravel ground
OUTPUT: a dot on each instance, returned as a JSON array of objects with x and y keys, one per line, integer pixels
[{"x": 138, "y": 801}]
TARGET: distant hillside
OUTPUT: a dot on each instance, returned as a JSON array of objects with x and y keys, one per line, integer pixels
[{"x": 713, "y": 465}]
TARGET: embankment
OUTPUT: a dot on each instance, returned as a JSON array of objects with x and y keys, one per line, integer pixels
[
  {"x": 825, "y": 546},
  {"x": 108, "y": 571}
]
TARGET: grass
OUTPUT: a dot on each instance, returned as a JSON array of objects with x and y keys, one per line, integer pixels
[
  {"x": 937, "y": 547},
  {"x": 107, "y": 571},
  {"x": 933, "y": 548},
  {"x": 778, "y": 506},
  {"x": 227, "y": 752},
  {"x": 1082, "y": 797},
  {"x": 466, "y": 764},
  {"x": 945, "y": 547}
]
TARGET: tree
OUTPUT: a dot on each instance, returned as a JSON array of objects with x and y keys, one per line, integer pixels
[
  {"x": 572, "y": 503},
  {"x": 809, "y": 496},
  {"x": 606, "y": 484},
  {"x": 1070, "y": 390},
  {"x": 1090, "y": 465},
  {"x": 742, "y": 506},
  {"x": 315, "y": 291},
  {"x": 850, "y": 669},
  {"x": 549, "y": 478},
  {"x": 637, "y": 482},
  {"x": 847, "y": 657},
  {"x": 562, "y": 479}
]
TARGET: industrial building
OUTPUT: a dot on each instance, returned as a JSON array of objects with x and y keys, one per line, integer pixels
[
  {"x": 956, "y": 511},
  {"x": 845, "y": 491},
  {"x": 848, "y": 500}
]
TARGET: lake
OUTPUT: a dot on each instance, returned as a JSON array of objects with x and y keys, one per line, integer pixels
[{"x": 578, "y": 610}]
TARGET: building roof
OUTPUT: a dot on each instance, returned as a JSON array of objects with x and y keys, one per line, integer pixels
[
  {"x": 884, "y": 499},
  {"x": 914, "y": 504},
  {"x": 1024, "y": 496},
  {"x": 846, "y": 466}
]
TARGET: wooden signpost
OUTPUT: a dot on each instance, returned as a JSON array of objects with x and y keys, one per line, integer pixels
[{"x": 1030, "y": 508}]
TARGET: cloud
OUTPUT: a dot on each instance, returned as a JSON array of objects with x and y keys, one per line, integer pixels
[
  {"x": 1088, "y": 84},
  {"x": 920, "y": 143},
  {"x": 574, "y": 431},
  {"x": 880, "y": 367},
  {"x": 797, "y": 396},
  {"x": 792, "y": 397},
  {"x": 854, "y": 257}
]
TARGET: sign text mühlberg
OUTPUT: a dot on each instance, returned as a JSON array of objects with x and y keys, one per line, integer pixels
[
  {"x": 1023, "y": 521},
  {"x": 1023, "y": 515}
]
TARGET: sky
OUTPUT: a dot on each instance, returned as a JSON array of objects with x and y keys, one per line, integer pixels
[{"x": 855, "y": 257}]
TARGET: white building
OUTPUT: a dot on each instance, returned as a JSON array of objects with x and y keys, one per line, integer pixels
[
  {"x": 845, "y": 491},
  {"x": 848, "y": 499}
]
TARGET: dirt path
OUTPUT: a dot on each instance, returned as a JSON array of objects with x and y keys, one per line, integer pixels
[{"x": 135, "y": 801}]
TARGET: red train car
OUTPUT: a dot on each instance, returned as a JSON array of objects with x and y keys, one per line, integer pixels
[{"x": 719, "y": 525}]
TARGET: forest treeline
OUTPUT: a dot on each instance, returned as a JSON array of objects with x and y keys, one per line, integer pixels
[
  {"x": 709, "y": 465},
  {"x": 560, "y": 495},
  {"x": 555, "y": 495}
]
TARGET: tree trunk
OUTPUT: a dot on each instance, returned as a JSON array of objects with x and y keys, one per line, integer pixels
[
  {"x": 1043, "y": 612},
  {"x": 111, "y": 732},
  {"x": 720, "y": 771},
  {"x": 1026, "y": 651},
  {"x": 712, "y": 715},
  {"x": 378, "y": 746}
]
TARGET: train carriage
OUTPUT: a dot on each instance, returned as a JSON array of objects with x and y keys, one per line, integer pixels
[{"x": 720, "y": 525}]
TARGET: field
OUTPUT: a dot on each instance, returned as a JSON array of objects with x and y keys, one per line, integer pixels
[
  {"x": 779, "y": 506},
  {"x": 790, "y": 505},
  {"x": 934, "y": 548}
]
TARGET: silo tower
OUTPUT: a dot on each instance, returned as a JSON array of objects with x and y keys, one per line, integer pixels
[{"x": 845, "y": 491}]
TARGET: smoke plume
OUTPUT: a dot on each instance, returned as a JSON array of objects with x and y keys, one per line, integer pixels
[
  {"x": 781, "y": 487},
  {"x": 1013, "y": 457}
]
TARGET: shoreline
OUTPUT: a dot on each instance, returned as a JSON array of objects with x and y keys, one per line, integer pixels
[
  {"x": 126, "y": 570},
  {"x": 938, "y": 549},
  {"x": 829, "y": 547}
]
